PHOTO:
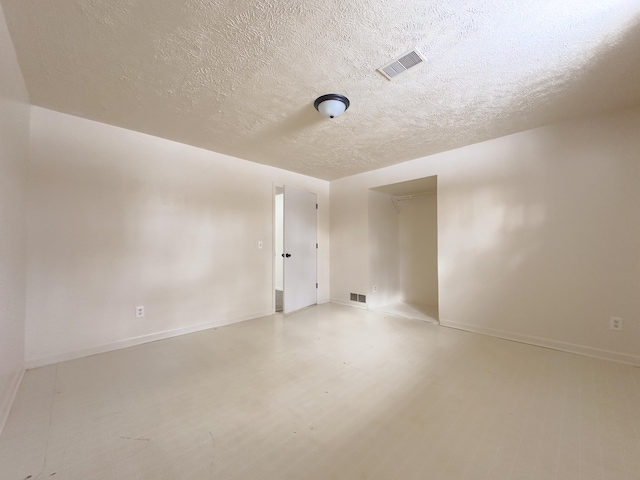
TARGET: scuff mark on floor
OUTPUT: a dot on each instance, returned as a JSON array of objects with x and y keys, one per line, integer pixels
[
  {"x": 213, "y": 441},
  {"x": 140, "y": 439}
]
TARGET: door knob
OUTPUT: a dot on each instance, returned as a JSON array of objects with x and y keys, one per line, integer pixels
[{"x": 288, "y": 255}]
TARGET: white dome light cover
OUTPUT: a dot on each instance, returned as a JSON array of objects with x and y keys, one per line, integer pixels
[{"x": 331, "y": 105}]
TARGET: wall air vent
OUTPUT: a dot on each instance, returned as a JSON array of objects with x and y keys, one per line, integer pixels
[
  {"x": 401, "y": 64},
  {"x": 358, "y": 297}
]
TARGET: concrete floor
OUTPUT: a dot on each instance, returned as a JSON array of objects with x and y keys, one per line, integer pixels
[
  {"x": 415, "y": 311},
  {"x": 330, "y": 392}
]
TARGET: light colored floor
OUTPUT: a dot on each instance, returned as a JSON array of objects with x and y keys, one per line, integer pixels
[
  {"x": 330, "y": 392},
  {"x": 416, "y": 311}
]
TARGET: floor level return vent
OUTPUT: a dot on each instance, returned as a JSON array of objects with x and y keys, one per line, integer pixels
[{"x": 358, "y": 297}]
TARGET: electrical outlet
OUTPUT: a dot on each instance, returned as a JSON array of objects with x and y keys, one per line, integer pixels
[
  {"x": 375, "y": 288},
  {"x": 139, "y": 312},
  {"x": 615, "y": 323}
]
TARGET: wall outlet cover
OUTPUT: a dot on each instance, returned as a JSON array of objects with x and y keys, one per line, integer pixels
[{"x": 615, "y": 323}]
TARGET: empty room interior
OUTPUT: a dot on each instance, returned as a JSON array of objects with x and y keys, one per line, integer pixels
[{"x": 323, "y": 240}]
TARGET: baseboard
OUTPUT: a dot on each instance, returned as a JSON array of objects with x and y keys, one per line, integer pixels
[
  {"x": 132, "y": 342},
  {"x": 5, "y": 408},
  {"x": 547, "y": 343},
  {"x": 349, "y": 304}
]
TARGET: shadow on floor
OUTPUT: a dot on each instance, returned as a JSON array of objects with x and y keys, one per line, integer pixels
[{"x": 417, "y": 311}]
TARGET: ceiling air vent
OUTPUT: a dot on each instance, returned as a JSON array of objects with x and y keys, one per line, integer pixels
[{"x": 402, "y": 63}]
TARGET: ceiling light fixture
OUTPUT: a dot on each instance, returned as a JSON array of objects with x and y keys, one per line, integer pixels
[{"x": 331, "y": 105}]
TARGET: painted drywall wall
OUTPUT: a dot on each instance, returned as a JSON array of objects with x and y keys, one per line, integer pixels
[
  {"x": 418, "y": 240},
  {"x": 14, "y": 153},
  {"x": 119, "y": 219},
  {"x": 350, "y": 230},
  {"x": 538, "y": 234},
  {"x": 384, "y": 251}
]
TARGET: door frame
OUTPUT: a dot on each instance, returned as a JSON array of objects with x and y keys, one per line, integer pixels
[{"x": 274, "y": 192}]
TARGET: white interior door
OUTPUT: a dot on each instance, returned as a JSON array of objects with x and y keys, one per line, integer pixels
[{"x": 300, "y": 262}]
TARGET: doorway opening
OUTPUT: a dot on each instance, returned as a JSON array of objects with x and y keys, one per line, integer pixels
[
  {"x": 403, "y": 262},
  {"x": 279, "y": 247},
  {"x": 295, "y": 249}
]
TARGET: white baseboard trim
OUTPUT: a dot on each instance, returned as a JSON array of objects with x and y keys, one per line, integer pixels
[
  {"x": 546, "y": 343},
  {"x": 132, "y": 342},
  {"x": 349, "y": 304},
  {"x": 5, "y": 408}
]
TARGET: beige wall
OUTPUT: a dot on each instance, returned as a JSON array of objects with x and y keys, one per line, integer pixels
[
  {"x": 384, "y": 251},
  {"x": 538, "y": 234},
  {"x": 418, "y": 226},
  {"x": 14, "y": 152},
  {"x": 119, "y": 219},
  {"x": 349, "y": 230}
]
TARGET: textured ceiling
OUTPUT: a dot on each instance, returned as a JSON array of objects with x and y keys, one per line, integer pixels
[{"x": 240, "y": 77}]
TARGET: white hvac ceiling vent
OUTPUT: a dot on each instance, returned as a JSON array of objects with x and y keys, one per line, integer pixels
[{"x": 401, "y": 64}]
